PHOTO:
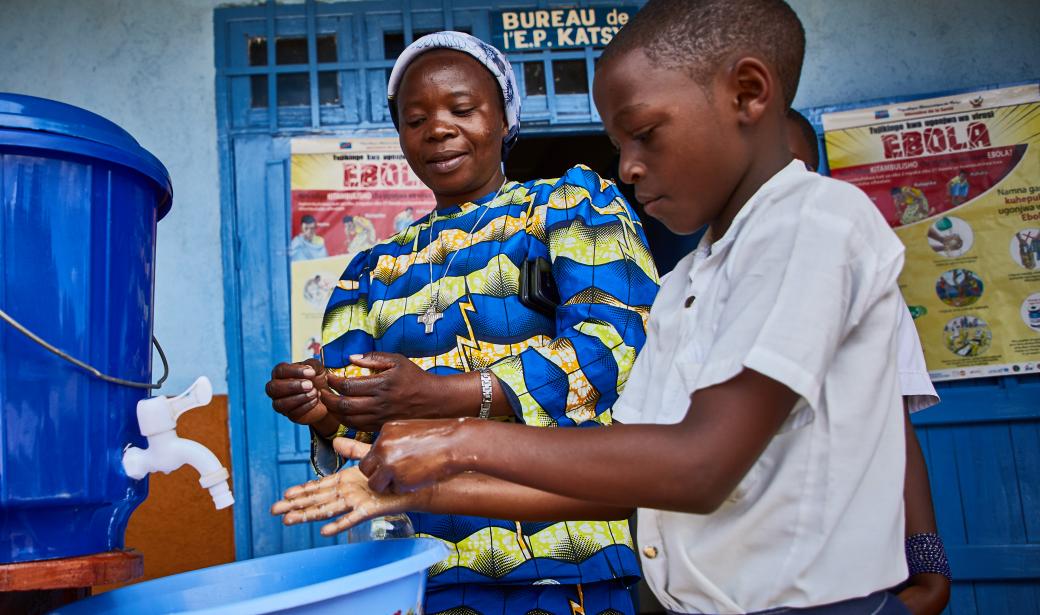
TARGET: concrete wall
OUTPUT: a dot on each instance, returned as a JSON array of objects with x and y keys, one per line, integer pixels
[
  {"x": 148, "y": 66},
  {"x": 864, "y": 49}
]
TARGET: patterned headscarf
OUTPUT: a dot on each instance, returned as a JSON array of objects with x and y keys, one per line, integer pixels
[{"x": 492, "y": 59}]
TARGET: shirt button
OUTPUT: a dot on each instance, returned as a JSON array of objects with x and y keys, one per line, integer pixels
[
  {"x": 690, "y": 300},
  {"x": 650, "y": 552}
]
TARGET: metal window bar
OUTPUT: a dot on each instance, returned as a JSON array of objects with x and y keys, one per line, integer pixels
[
  {"x": 272, "y": 89},
  {"x": 355, "y": 65},
  {"x": 312, "y": 62}
]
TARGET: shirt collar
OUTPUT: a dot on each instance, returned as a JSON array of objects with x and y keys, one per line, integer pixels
[
  {"x": 790, "y": 173},
  {"x": 709, "y": 245}
]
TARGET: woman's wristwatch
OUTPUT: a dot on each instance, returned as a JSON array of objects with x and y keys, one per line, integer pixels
[{"x": 485, "y": 393}]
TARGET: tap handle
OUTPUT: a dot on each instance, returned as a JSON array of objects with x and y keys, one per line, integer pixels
[{"x": 198, "y": 394}]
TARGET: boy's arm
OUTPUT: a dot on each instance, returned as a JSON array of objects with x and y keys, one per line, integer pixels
[
  {"x": 690, "y": 467},
  {"x": 347, "y": 493},
  {"x": 927, "y": 593},
  {"x": 800, "y": 284}
]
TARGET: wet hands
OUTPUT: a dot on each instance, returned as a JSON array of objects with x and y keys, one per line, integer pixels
[
  {"x": 411, "y": 455},
  {"x": 396, "y": 389},
  {"x": 345, "y": 493}
]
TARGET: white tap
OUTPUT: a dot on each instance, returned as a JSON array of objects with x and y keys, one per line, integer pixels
[{"x": 157, "y": 418}]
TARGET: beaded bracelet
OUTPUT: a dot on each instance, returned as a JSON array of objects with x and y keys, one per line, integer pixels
[{"x": 925, "y": 553}]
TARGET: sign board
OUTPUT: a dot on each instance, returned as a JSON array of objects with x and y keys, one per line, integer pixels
[
  {"x": 573, "y": 28},
  {"x": 347, "y": 195},
  {"x": 958, "y": 178}
]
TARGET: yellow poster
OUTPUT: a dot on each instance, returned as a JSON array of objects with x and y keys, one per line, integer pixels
[
  {"x": 958, "y": 178},
  {"x": 347, "y": 194}
]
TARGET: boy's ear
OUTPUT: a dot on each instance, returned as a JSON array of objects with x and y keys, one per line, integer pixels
[{"x": 753, "y": 88}]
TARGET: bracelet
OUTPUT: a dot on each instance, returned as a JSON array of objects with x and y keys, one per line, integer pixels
[
  {"x": 925, "y": 553},
  {"x": 485, "y": 393}
]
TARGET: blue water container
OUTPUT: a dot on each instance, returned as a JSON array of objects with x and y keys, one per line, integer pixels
[
  {"x": 79, "y": 202},
  {"x": 383, "y": 577}
]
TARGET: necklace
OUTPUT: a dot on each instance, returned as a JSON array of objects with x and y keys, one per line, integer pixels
[{"x": 431, "y": 315}]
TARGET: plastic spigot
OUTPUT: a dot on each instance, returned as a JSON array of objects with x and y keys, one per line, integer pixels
[{"x": 158, "y": 414}]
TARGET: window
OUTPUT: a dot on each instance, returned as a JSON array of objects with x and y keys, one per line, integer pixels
[
  {"x": 534, "y": 78},
  {"x": 294, "y": 88},
  {"x": 570, "y": 77},
  {"x": 393, "y": 42}
]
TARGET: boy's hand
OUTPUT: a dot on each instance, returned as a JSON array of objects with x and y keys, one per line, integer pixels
[
  {"x": 294, "y": 391},
  {"x": 411, "y": 455},
  {"x": 344, "y": 493},
  {"x": 926, "y": 594}
]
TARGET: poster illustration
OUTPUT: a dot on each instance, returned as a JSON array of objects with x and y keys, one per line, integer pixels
[
  {"x": 347, "y": 195},
  {"x": 958, "y": 178}
]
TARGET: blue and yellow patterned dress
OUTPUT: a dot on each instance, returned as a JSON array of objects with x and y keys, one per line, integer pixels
[{"x": 565, "y": 371}]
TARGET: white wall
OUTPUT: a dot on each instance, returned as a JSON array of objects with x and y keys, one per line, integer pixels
[{"x": 148, "y": 66}]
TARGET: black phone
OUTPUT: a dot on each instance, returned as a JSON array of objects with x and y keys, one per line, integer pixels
[{"x": 538, "y": 287}]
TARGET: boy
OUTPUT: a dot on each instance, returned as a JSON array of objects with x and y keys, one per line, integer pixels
[{"x": 769, "y": 458}]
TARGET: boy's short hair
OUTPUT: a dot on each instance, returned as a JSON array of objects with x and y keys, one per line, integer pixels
[
  {"x": 307, "y": 219},
  {"x": 696, "y": 35},
  {"x": 809, "y": 134}
]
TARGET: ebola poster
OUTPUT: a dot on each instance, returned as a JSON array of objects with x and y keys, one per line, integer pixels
[
  {"x": 347, "y": 194},
  {"x": 958, "y": 178}
]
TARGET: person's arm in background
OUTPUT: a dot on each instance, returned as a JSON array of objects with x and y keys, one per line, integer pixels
[{"x": 926, "y": 592}]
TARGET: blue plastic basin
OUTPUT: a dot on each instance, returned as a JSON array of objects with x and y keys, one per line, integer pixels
[{"x": 370, "y": 578}]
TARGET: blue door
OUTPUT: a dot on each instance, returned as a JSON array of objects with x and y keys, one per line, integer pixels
[{"x": 982, "y": 445}]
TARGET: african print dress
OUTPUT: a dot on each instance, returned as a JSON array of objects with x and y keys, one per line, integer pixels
[{"x": 562, "y": 369}]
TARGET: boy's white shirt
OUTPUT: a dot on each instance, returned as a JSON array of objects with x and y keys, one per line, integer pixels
[
  {"x": 801, "y": 288},
  {"x": 914, "y": 381}
]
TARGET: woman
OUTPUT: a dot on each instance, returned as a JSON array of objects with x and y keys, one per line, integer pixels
[{"x": 516, "y": 301}]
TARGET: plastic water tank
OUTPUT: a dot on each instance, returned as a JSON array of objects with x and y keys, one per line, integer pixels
[{"x": 79, "y": 202}]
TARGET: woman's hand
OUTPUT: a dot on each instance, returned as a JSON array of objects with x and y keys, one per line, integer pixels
[
  {"x": 295, "y": 392},
  {"x": 410, "y": 455},
  {"x": 926, "y": 594},
  {"x": 345, "y": 493},
  {"x": 397, "y": 390}
]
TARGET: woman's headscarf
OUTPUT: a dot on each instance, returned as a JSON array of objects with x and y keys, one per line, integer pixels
[{"x": 492, "y": 59}]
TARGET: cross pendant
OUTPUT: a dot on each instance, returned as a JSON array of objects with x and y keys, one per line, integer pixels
[{"x": 429, "y": 317}]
